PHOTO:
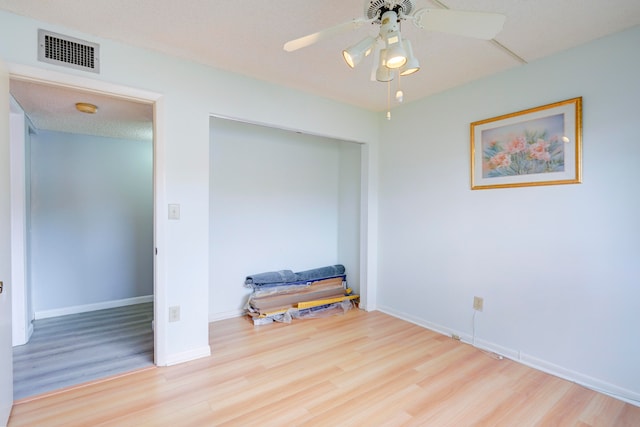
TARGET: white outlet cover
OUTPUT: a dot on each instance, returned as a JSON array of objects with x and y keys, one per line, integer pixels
[
  {"x": 478, "y": 303},
  {"x": 174, "y": 314}
]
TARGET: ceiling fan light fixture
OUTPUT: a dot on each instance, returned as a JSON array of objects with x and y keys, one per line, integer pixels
[
  {"x": 396, "y": 61},
  {"x": 354, "y": 54},
  {"x": 396, "y": 55},
  {"x": 412, "y": 65},
  {"x": 85, "y": 107},
  {"x": 383, "y": 73}
]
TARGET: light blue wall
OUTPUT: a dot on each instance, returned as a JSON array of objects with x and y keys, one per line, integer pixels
[
  {"x": 558, "y": 266},
  {"x": 91, "y": 219},
  {"x": 279, "y": 200}
]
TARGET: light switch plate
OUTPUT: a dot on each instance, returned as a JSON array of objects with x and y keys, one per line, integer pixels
[{"x": 174, "y": 211}]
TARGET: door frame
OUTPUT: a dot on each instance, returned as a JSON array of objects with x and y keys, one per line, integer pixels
[
  {"x": 6, "y": 368},
  {"x": 44, "y": 76},
  {"x": 22, "y": 327}
]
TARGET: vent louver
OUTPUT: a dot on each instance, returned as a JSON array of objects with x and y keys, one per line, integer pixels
[{"x": 68, "y": 51}]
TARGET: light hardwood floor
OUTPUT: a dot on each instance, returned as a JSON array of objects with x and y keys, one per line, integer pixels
[{"x": 358, "y": 369}]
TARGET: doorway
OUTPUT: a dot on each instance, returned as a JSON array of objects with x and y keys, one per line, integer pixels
[{"x": 89, "y": 224}]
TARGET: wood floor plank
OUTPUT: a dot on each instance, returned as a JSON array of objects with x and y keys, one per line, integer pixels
[
  {"x": 628, "y": 417},
  {"x": 599, "y": 407},
  {"x": 356, "y": 369},
  {"x": 568, "y": 408},
  {"x": 356, "y": 402}
]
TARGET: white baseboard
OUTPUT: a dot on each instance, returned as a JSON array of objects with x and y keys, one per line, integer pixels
[
  {"x": 425, "y": 324},
  {"x": 595, "y": 384},
  {"x": 186, "y": 356},
  {"x": 214, "y": 317},
  {"x": 92, "y": 307}
]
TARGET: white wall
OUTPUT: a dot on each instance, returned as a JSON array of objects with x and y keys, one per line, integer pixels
[
  {"x": 92, "y": 219},
  {"x": 558, "y": 266},
  {"x": 188, "y": 94},
  {"x": 277, "y": 203},
  {"x": 349, "y": 212}
]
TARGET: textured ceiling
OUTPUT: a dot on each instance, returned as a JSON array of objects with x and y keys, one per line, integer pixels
[
  {"x": 247, "y": 37},
  {"x": 53, "y": 108}
]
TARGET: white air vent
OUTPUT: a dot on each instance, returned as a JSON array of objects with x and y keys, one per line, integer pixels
[{"x": 68, "y": 51}]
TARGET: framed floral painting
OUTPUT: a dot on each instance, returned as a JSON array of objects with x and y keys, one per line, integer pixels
[{"x": 539, "y": 146}]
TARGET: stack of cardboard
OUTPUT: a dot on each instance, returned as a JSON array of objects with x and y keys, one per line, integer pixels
[{"x": 280, "y": 296}]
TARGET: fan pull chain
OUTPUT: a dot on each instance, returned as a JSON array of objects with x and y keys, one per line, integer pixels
[
  {"x": 399, "y": 92},
  {"x": 389, "y": 100}
]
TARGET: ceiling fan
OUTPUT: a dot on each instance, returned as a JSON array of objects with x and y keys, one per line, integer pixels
[{"x": 394, "y": 55}]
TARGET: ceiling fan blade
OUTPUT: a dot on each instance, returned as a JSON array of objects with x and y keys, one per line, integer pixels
[
  {"x": 310, "y": 39},
  {"x": 480, "y": 25}
]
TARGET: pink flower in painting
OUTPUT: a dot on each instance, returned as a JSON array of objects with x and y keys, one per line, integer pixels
[
  {"x": 516, "y": 145},
  {"x": 538, "y": 150},
  {"x": 500, "y": 160}
]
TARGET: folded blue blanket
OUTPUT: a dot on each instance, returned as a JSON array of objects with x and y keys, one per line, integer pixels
[
  {"x": 282, "y": 276},
  {"x": 286, "y": 277},
  {"x": 321, "y": 273}
]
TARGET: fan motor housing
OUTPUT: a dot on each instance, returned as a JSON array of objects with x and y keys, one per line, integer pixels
[{"x": 376, "y": 8}]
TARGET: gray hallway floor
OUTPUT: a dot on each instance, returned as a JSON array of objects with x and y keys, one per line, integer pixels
[{"x": 73, "y": 349}]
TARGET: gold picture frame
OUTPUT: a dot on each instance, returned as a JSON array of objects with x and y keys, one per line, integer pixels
[{"x": 538, "y": 146}]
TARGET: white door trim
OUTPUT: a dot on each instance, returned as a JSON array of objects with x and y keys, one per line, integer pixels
[
  {"x": 6, "y": 353},
  {"x": 40, "y": 75},
  {"x": 21, "y": 321}
]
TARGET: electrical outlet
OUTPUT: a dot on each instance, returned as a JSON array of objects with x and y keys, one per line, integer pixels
[
  {"x": 478, "y": 303},
  {"x": 174, "y": 211},
  {"x": 174, "y": 313}
]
